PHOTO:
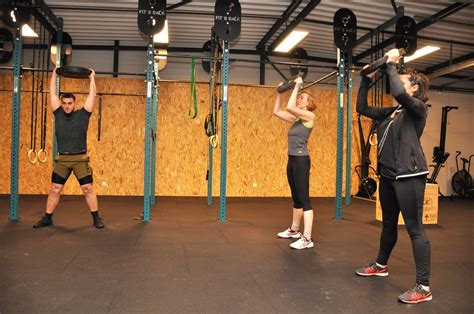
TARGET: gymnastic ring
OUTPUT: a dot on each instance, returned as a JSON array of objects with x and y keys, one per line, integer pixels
[
  {"x": 214, "y": 140},
  {"x": 32, "y": 156},
  {"x": 371, "y": 142},
  {"x": 41, "y": 153}
]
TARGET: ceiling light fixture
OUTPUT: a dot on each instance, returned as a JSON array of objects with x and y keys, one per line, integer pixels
[
  {"x": 27, "y": 31},
  {"x": 420, "y": 53},
  {"x": 291, "y": 40}
]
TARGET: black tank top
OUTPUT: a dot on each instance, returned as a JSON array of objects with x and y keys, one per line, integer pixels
[{"x": 71, "y": 130}]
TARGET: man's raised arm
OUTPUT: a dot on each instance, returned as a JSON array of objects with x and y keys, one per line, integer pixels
[
  {"x": 55, "y": 101},
  {"x": 90, "y": 100}
]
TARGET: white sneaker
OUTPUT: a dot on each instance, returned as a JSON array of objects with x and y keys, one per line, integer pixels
[
  {"x": 288, "y": 233},
  {"x": 302, "y": 243}
]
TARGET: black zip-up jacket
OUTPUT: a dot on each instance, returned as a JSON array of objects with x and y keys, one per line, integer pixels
[{"x": 408, "y": 159}]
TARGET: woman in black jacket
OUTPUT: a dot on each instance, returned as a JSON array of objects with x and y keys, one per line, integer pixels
[{"x": 402, "y": 169}]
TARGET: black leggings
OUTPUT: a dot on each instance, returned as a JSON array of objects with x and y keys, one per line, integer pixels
[
  {"x": 297, "y": 171},
  {"x": 405, "y": 195}
]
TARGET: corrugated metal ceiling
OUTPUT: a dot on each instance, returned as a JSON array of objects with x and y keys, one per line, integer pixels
[{"x": 91, "y": 22}]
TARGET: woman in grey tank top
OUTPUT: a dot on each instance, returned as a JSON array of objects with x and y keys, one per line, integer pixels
[{"x": 299, "y": 112}]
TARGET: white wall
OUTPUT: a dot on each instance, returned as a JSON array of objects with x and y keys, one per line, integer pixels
[{"x": 459, "y": 133}]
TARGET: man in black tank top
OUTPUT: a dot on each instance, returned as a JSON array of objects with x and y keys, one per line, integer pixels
[{"x": 71, "y": 133}]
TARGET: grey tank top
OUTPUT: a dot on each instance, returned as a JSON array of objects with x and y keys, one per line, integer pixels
[{"x": 298, "y": 136}]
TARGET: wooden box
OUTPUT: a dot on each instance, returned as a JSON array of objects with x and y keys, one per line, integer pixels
[{"x": 430, "y": 206}]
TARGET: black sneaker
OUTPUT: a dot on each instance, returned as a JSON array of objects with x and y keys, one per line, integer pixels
[
  {"x": 43, "y": 222},
  {"x": 372, "y": 270},
  {"x": 98, "y": 223},
  {"x": 416, "y": 295}
]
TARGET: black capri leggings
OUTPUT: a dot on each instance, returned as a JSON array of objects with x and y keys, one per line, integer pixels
[{"x": 297, "y": 171}]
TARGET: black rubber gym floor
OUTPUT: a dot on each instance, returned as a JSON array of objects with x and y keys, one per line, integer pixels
[{"x": 185, "y": 261}]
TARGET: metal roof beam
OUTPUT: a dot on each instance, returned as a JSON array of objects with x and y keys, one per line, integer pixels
[
  {"x": 419, "y": 26},
  {"x": 444, "y": 64},
  {"x": 441, "y": 15},
  {"x": 454, "y": 42},
  {"x": 394, "y": 6},
  {"x": 452, "y": 69},
  {"x": 300, "y": 17},
  {"x": 47, "y": 14},
  {"x": 382, "y": 27},
  {"x": 177, "y": 5},
  {"x": 453, "y": 89},
  {"x": 456, "y": 77},
  {"x": 276, "y": 68},
  {"x": 40, "y": 18},
  {"x": 43, "y": 14},
  {"x": 466, "y": 78},
  {"x": 195, "y": 50},
  {"x": 283, "y": 18}
]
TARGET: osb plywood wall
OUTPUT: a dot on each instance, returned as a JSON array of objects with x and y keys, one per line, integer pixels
[{"x": 257, "y": 142}]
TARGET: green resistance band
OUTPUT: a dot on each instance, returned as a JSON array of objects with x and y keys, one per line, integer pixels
[{"x": 193, "y": 109}]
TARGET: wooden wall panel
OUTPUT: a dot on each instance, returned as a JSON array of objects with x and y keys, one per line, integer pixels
[{"x": 257, "y": 142}]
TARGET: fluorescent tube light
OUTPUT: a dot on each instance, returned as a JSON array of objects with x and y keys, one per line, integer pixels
[
  {"x": 27, "y": 31},
  {"x": 420, "y": 53},
  {"x": 291, "y": 40}
]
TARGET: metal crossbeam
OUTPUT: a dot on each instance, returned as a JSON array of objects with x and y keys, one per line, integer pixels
[
  {"x": 400, "y": 11},
  {"x": 453, "y": 89},
  {"x": 48, "y": 13},
  {"x": 447, "y": 63},
  {"x": 40, "y": 18},
  {"x": 300, "y": 17},
  {"x": 177, "y": 5},
  {"x": 419, "y": 26},
  {"x": 284, "y": 17},
  {"x": 467, "y": 78},
  {"x": 451, "y": 69},
  {"x": 276, "y": 68}
]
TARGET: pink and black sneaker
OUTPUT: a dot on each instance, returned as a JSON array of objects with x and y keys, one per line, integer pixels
[
  {"x": 372, "y": 270},
  {"x": 416, "y": 295}
]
